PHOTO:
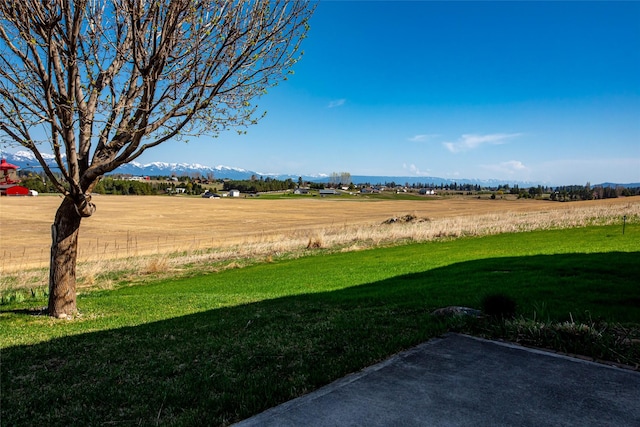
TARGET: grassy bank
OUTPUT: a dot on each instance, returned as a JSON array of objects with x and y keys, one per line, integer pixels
[{"x": 213, "y": 349}]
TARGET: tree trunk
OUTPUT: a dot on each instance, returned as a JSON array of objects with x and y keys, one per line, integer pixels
[{"x": 64, "y": 252}]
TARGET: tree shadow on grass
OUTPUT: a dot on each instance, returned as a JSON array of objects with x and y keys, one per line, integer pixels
[{"x": 223, "y": 365}]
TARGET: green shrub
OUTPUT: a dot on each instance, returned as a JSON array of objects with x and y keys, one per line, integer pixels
[{"x": 499, "y": 306}]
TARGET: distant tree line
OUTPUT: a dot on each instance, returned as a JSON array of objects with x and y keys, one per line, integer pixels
[
  {"x": 578, "y": 192},
  {"x": 124, "y": 187},
  {"x": 117, "y": 184},
  {"x": 259, "y": 185},
  {"x": 166, "y": 185},
  {"x": 442, "y": 187},
  {"x": 316, "y": 185},
  {"x": 143, "y": 188},
  {"x": 37, "y": 181}
]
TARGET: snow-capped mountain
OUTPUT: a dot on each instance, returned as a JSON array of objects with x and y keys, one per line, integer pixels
[
  {"x": 27, "y": 161},
  {"x": 165, "y": 169}
]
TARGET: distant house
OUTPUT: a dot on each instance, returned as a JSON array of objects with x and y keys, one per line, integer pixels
[
  {"x": 209, "y": 195},
  {"x": 234, "y": 193},
  {"x": 301, "y": 191},
  {"x": 427, "y": 192},
  {"x": 369, "y": 190},
  {"x": 328, "y": 191}
]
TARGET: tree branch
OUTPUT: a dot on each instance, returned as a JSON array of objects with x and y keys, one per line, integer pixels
[{"x": 114, "y": 78}]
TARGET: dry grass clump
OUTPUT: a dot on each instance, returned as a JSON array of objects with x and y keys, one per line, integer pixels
[
  {"x": 405, "y": 219},
  {"x": 157, "y": 265},
  {"x": 316, "y": 241}
]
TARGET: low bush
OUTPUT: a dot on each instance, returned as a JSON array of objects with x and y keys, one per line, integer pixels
[{"x": 499, "y": 306}]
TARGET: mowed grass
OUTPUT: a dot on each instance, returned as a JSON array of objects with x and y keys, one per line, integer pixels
[{"x": 217, "y": 348}]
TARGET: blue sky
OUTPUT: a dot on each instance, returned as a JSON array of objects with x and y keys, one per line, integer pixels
[{"x": 528, "y": 91}]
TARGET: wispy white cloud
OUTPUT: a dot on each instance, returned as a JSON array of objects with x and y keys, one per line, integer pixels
[
  {"x": 514, "y": 165},
  {"x": 337, "y": 103},
  {"x": 510, "y": 167},
  {"x": 414, "y": 170},
  {"x": 422, "y": 137},
  {"x": 471, "y": 141}
]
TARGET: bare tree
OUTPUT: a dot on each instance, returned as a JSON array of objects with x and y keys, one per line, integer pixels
[
  {"x": 341, "y": 178},
  {"x": 345, "y": 178},
  {"x": 334, "y": 179},
  {"x": 98, "y": 82}
]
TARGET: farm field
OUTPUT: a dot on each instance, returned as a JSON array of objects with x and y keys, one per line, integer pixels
[{"x": 131, "y": 226}]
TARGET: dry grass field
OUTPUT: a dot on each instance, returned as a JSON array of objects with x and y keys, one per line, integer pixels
[{"x": 149, "y": 228}]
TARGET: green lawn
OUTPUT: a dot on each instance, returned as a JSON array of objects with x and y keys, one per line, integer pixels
[{"x": 217, "y": 348}]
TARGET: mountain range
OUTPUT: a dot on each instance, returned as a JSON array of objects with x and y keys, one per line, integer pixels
[{"x": 27, "y": 161}]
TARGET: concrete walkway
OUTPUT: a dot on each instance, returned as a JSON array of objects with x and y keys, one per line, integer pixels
[{"x": 464, "y": 381}]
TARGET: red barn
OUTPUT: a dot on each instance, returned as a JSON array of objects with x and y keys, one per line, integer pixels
[
  {"x": 14, "y": 190},
  {"x": 9, "y": 181}
]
